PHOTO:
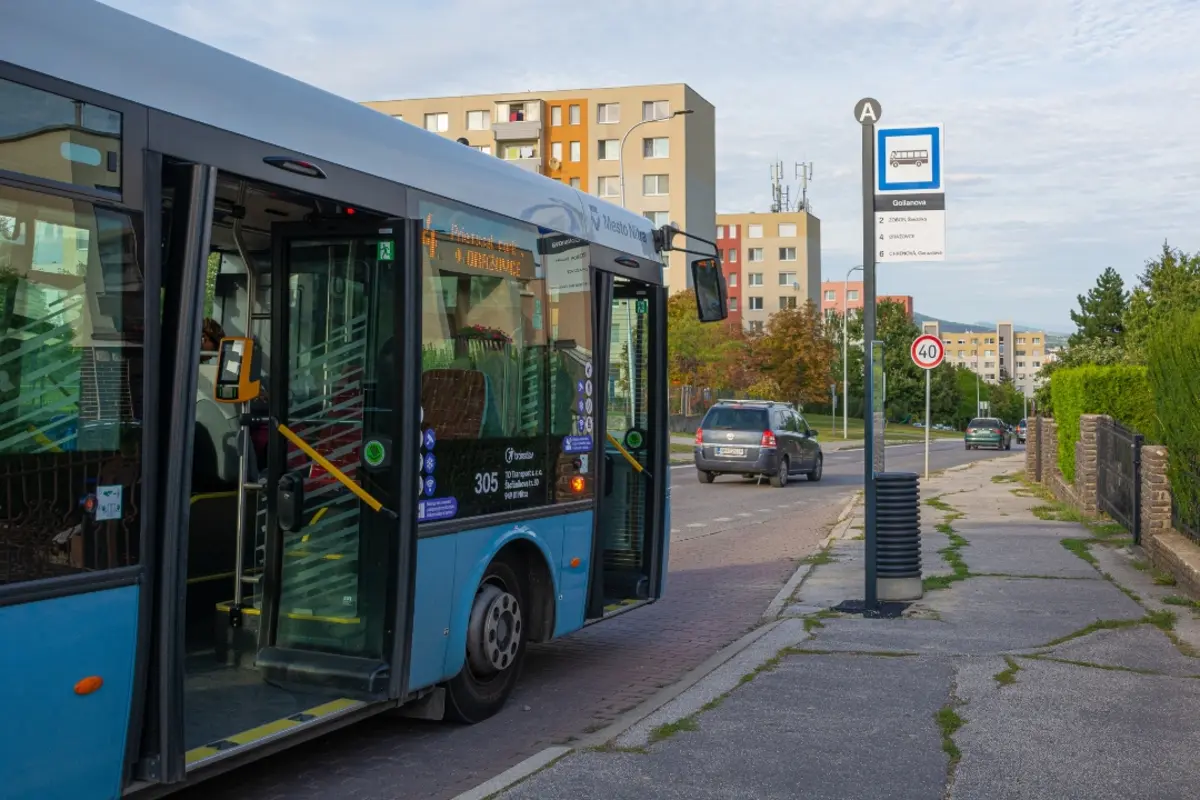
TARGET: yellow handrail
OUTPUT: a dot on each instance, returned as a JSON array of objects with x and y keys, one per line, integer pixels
[
  {"x": 330, "y": 468},
  {"x": 612, "y": 440}
]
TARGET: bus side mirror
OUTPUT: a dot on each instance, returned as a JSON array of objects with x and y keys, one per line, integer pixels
[
  {"x": 237, "y": 371},
  {"x": 711, "y": 302}
]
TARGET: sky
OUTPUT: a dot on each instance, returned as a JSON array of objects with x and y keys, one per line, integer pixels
[{"x": 1071, "y": 137}]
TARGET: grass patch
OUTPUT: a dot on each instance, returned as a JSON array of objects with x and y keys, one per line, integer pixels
[
  {"x": 1008, "y": 675},
  {"x": 669, "y": 729},
  {"x": 1080, "y": 548},
  {"x": 1011, "y": 477},
  {"x": 959, "y": 569},
  {"x": 1163, "y": 578},
  {"x": 949, "y": 722},
  {"x": 1107, "y": 530},
  {"x": 1093, "y": 665},
  {"x": 1098, "y": 625},
  {"x": 1163, "y": 619},
  {"x": 938, "y": 503},
  {"x": 1179, "y": 600},
  {"x": 1140, "y": 565},
  {"x": 818, "y": 558},
  {"x": 813, "y": 621}
]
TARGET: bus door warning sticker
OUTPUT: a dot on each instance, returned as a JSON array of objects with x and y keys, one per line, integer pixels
[{"x": 441, "y": 508}]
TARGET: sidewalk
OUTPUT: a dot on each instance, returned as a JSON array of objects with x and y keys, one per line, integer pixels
[{"x": 1041, "y": 663}]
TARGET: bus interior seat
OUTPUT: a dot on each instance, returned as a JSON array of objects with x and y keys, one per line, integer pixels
[
  {"x": 458, "y": 403},
  {"x": 216, "y": 466}
]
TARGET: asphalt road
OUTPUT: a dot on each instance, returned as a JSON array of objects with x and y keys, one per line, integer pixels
[{"x": 733, "y": 546}]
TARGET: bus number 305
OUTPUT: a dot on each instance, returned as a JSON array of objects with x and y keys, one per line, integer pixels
[{"x": 486, "y": 482}]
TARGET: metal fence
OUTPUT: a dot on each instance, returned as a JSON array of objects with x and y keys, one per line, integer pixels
[
  {"x": 1119, "y": 474},
  {"x": 1185, "y": 500}
]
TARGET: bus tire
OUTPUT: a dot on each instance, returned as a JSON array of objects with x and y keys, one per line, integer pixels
[{"x": 496, "y": 635}]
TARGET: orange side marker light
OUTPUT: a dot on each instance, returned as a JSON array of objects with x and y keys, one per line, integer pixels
[
  {"x": 89, "y": 684},
  {"x": 575, "y": 562}
]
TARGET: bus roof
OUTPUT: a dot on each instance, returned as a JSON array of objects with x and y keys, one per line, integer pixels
[{"x": 99, "y": 47}]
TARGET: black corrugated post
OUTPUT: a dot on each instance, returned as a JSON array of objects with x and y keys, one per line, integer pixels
[{"x": 867, "y": 112}]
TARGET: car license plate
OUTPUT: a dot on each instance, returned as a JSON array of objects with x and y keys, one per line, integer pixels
[{"x": 731, "y": 452}]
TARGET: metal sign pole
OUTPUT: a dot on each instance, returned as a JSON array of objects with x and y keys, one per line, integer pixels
[
  {"x": 927, "y": 423},
  {"x": 867, "y": 112}
]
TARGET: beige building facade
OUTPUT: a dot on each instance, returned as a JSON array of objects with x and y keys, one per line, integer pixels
[
  {"x": 659, "y": 138},
  {"x": 997, "y": 354},
  {"x": 778, "y": 258}
]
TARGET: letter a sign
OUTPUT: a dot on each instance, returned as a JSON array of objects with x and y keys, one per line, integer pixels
[{"x": 867, "y": 111}]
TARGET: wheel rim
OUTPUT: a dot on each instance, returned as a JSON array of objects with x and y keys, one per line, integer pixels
[{"x": 494, "y": 636}]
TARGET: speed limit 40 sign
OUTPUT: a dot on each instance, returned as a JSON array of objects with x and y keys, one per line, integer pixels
[{"x": 927, "y": 351}]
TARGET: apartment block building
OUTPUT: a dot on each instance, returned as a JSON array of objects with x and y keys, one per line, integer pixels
[
  {"x": 838, "y": 295},
  {"x": 775, "y": 259},
  {"x": 997, "y": 354},
  {"x": 659, "y": 137}
]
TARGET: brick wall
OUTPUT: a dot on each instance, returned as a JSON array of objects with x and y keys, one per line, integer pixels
[
  {"x": 1031, "y": 446},
  {"x": 1168, "y": 550},
  {"x": 1085, "y": 463}
]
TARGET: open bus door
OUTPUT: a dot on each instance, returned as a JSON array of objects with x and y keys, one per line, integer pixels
[{"x": 631, "y": 540}]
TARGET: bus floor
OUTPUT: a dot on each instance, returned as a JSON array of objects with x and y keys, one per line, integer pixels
[{"x": 223, "y": 701}]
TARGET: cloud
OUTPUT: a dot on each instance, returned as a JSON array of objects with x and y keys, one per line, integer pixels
[{"x": 1070, "y": 124}]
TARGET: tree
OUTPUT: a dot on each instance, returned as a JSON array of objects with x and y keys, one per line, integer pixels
[
  {"x": 1102, "y": 311},
  {"x": 945, "y": 395},
  {"x": 1168, "y": 285},
  {"x": 905, "y": 383},
  {"x": 794, "y": 356}
]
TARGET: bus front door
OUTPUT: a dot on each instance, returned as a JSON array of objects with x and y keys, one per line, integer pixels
[
  {"x": 332, "y": 531},
  {"x": 630, "y": 541}
]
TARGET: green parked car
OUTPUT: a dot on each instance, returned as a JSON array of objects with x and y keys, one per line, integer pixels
[{"x": 988, "y": 432}]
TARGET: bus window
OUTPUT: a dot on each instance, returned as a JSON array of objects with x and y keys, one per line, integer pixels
[
  {"x": 483, "y": 363},
  {"x": 71, "y": 326}
]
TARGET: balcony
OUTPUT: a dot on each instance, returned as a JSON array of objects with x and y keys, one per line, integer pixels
[
  {"x": 520, "y": 130},
  {"x": 531, "y": 164}
]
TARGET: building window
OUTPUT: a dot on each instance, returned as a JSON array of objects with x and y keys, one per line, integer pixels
[
  {"x": 787, "y": 254},
  {"x": 989, "y": 353},
  {"x": 830, "y": 295},
  {"x": 655, "y": 109},
  {"x": 720, "y": 231},
  {"x": 1037, "y": 340},
  {"x": 575, "y": 183},
  {"x": 398, "y": 116},
  {"x": 575, "y": 148},
  {"x": 962, "y": 353},
  {"x": 754, "y": 303},
  {"x": 606, "y": 149},
  {"x": 556, "y": 150},
  {"x": 852, "y": 295},
  {"x": 754, "y": 254},
  {"x": 1037, "y": 363},
  {"x": 733, "y": 304},
  {"x": 657, "y": 147},
  {"x": 754, "y": 231},
  {"x": 787, "y": 302},
  {"x": 787, "y": 230},
  {"x": 755, "y": 326},
  {"x": 991, "y": 376},
  {"x": 656, "y": 185},
  {"x": 573, "y": 114},
  {"x": 787, "y": 278},
  {"x": 486, "y": 149},
  {"x": 1020, "y": 340},
  {"x": 732, "y": 255},
  {"x": 754, "y": 279},
  {"x": 991, "y": 364},
  {"x": 733, "y": 279},
  {"x": 438, "y": 123},
  {"x": 1020, "y": 363},
  {"x": 657, "y": 218},
  {"x": 556, "y": 115},
  {"x": 608, "y": 113},
  {"x": 513, "y": 152},
  {"x": 608, "y": 186},
  {"x": 479, "y": 120}
]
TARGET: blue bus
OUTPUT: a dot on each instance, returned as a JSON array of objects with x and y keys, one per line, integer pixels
[{"x": 306, "y": 414}]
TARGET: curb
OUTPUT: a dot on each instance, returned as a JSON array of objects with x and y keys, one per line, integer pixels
[
  {"x": 539, "y": 761},
  {"x": 845, "y": 518}
]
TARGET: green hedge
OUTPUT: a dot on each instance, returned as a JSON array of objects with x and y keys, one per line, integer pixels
[
  {"x": 1174, "y": 373},
  {"x": 1121, "y": 391}
]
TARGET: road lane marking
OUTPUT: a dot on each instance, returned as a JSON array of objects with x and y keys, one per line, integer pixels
[
  {"x": 695, "y": 524},
  {"x": 723, "y": 519}
]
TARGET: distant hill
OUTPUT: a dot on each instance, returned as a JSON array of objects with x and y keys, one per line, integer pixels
[{"x": 949, "y": 326}]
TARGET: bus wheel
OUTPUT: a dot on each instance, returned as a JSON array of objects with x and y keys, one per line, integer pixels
[{"x": 495, "y": 647}]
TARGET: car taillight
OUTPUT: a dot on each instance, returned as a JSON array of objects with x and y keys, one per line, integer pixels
[
  {"x": 768, "y": 439},
  {"x": 699, "y": 436}
]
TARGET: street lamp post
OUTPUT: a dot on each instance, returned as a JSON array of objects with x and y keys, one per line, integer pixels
[
  {"x": 621, "y": 147},
  {"x": 846, "y": 357}
]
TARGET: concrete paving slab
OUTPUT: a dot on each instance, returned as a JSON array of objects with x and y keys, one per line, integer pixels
[
  {"x": 1144, "y": 647},
  {"x": 1075, "y": 732},
  {"x": 1010, "y": 551},
  {"x": 819, "y": 727}
]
